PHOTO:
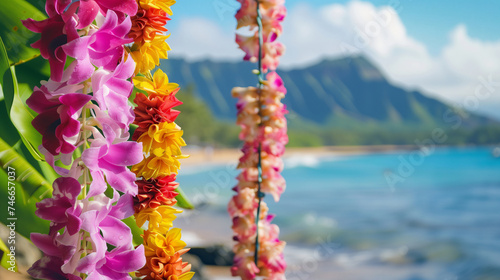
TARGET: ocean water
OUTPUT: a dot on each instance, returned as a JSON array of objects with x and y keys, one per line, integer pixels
[{"x": 398, "y": 215}]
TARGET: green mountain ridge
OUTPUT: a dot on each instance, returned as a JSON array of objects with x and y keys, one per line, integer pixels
[
  {"x": 349, "y": 89},
  {"x": 345, "y": 101}
]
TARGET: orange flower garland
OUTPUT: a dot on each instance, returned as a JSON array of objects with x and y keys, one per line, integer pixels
[{"x": 161, "y": 139}]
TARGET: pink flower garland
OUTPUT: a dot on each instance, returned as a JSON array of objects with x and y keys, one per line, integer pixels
[
  {"x": 84, "y": 116},
  {"x": 261, "y": 116}
]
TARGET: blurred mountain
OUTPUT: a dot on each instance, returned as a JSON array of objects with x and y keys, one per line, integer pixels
[{"x": 347, "y": 92}]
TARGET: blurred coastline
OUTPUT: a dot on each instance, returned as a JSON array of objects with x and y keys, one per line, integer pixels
[
  {"x": 342, "y": 220},
  {"x": 203, "y": 155}
]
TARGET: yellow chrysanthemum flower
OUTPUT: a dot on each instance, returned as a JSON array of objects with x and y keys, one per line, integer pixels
[
  {"x": 159, "y": 85},
  {"x": 158, "y": 164},
  {"x": 159, "y": 219},
  {"x": 169, "y": 243},
  {"x": 166, "y": 136},
  {"x": 148, "y": 56},
  {"x": 157, "y": 4},
  {"x": 163, "y": 142}
]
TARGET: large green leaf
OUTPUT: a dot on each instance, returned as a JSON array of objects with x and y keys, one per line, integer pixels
[
  {"x": 32, "y": 72},
  {"x": 39, "y": 4},
  {"x": 10, "y": 135},
  {"x": 3, "y": 256},
  {"x": 4, "y": 61},
  {"x": 48, "y": 172},
  {"x": 19, "y": 113},
  {"x": 4, "y": 65},
  {"x": 32, "y": 182},
  {"x": 25, "y": 206},
  {"x": 8, "y": 131},
  {"x": 15, "y": 36},
  {"x": 30, "y": 187}
]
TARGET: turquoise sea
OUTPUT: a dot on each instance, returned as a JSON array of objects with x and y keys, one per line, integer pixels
[{"x": 399, "y": 215}]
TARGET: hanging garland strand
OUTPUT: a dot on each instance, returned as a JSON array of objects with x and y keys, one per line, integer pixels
[
  {"x": 261, "y": 116},
  {"x": 260, "y": 75},
  {"x": 161, "y": 139}
]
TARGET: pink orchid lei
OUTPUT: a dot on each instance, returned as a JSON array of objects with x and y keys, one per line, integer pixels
[
  {"x": 261, "y": 116},
  {"x": 84, "y": 117}
]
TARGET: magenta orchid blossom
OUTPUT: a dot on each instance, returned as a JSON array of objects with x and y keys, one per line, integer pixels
[
  {"x": 84, "y": 118},
  {"x": 101, "y": 48}
]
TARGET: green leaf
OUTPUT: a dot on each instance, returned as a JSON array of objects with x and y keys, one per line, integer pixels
[
  {"x": 48, "y": 172},
  {"x": 32, "y": 72},
  {"x": 4, "y": 258},
  {"x": 136, "y": 231},
  {"x": 15, "y": 36},
  {"x": 19, "y": 113},
  {"x": 30, "y": 188},
  {"x": 10, "y": 135},
  {"x": 4, "y": 65},
  {"x": 21, "y": 116},
  {"x": 8, "y": 131},
  {"x": 25, "y": 207},
  {"x": 4, "y": 62},
  {"x": 39, "y": 4},
  {"x": 32, "y": 182},
  {"x": 182, "y": 200}
]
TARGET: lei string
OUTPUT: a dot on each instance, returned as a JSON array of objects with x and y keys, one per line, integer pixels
[
  {"x": 83, "y": 116},
  {"x": 161, "y": 139},
  {"x": 261, "y": 116}
]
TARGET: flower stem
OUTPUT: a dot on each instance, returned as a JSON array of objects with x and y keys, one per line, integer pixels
[
  {"x": 260, "y": 194},
  {"x": 84, "y": 146},
  {"x": 85, "y": 169}
]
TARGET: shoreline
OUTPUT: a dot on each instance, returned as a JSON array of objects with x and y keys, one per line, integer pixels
[{"x": 199, "y": 156}]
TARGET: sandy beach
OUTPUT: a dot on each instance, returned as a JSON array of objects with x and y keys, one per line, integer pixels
[{"x": 199, "y": 156}]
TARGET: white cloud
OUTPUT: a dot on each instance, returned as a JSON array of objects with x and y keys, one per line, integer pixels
[
  {"x": 335, "y": 30},
  {"x": 199, "y": 38},
  {"x": 378, "y": 32}
]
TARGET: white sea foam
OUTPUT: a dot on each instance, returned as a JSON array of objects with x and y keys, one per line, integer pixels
[
  {"x": 353, "y": 259},
  {"x": 198, "y": 168},
  {"x": 301, "y": 160},
  {"x": 296, "y": 254},
  {"x": 312, "y": 219}
]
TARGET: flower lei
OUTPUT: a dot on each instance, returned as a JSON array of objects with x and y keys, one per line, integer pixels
[
  {"x": 84, "y": 118},
  {"x": 161, "y": 140},
  {"x": 261, "y": 116}
]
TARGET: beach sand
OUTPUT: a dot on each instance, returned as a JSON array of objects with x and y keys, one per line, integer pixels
[{"x": 203, "y": 156}]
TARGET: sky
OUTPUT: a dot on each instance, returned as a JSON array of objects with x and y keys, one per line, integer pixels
[{"x": 448, "y": 49}]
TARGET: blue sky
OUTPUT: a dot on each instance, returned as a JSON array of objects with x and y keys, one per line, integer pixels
[
  {"x": 429, "y": 21},
  {"x": 445, "y": 48}
]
